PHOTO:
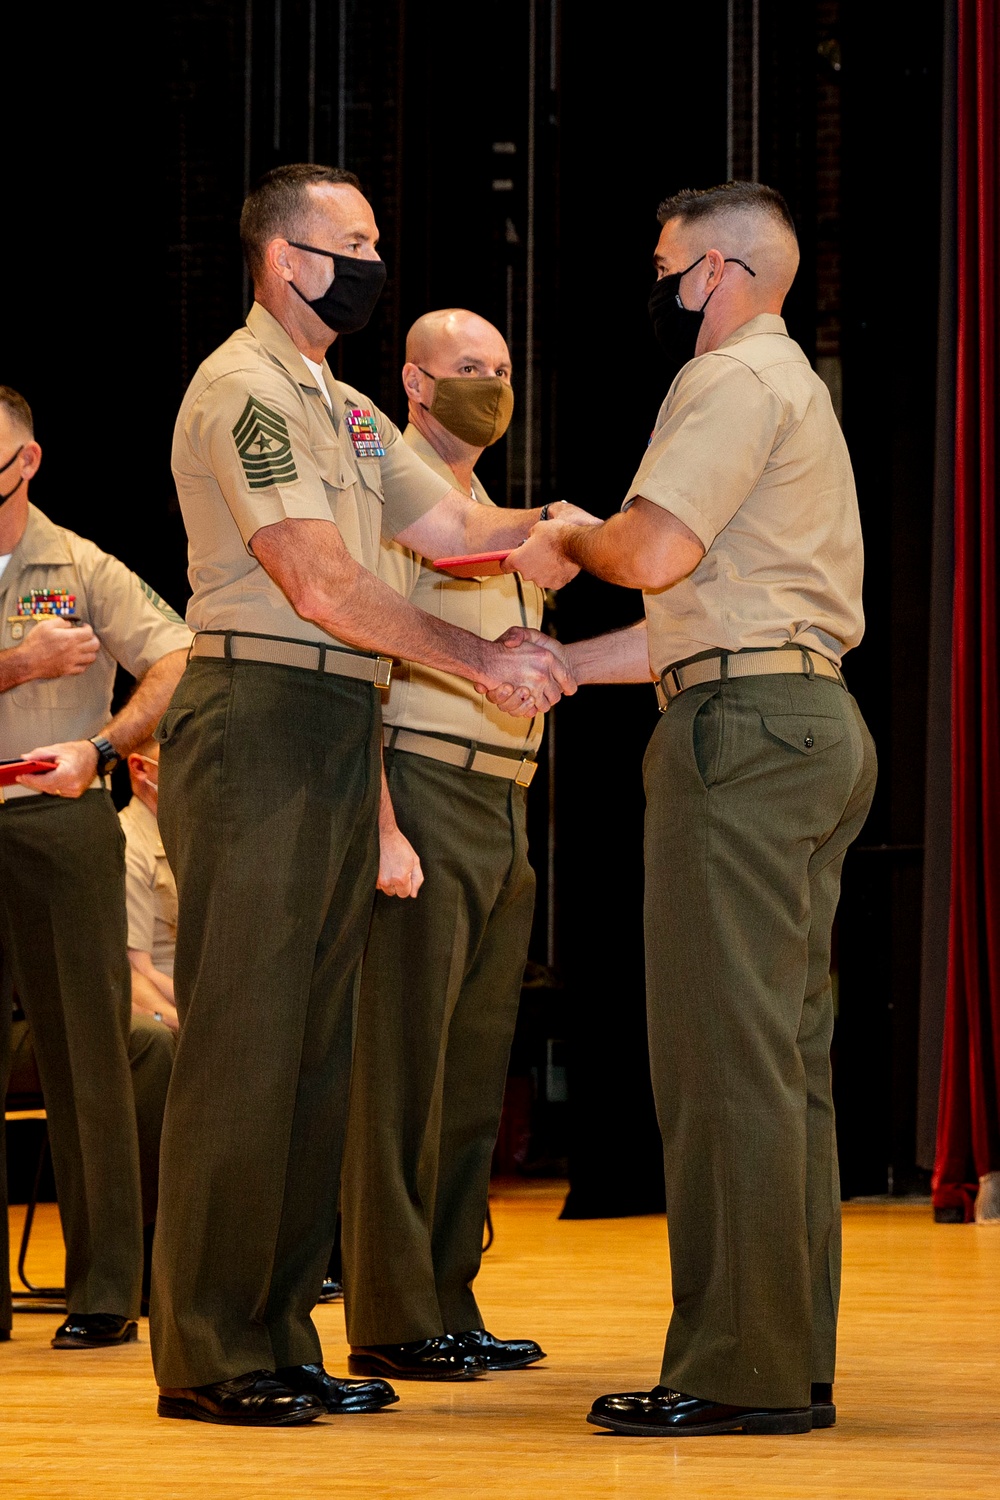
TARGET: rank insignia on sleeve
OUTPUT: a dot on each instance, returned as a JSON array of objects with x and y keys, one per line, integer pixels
[
  {"x": 364, "y": 433},
  {"x": 264, "y": 447},
  {"x": 158, "y": 603}
]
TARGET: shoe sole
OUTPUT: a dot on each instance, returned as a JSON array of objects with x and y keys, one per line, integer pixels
[
  {"x": 824, "y": 1414},
  {"x": 520, "y": 1364},
  {"x": 751, "y": 1423},
  {"x": 389, "y": 1372},
  {"x": 130, "y": 1336},
  {"x": 187, "y": 1411}
]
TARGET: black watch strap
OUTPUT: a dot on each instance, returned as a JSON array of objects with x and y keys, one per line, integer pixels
[{"x": 107, "y": 755}]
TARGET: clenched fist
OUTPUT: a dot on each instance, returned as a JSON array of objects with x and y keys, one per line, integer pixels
[{"x": 55, "y": 648}]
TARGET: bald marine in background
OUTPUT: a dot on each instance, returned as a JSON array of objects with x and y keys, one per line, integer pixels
[{"x": 442, "y": 973}]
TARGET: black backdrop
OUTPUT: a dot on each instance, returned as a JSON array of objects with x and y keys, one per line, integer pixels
[{"x": 496, "y": 141}]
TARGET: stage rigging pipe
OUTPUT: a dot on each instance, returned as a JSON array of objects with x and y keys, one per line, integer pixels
[
  {"x": 755, "y": 92},
  {"x": 311, "y": 85},
  {"x": 247, "y": 117},
  {"x": 342, "y": 84},
  {"x": 730, "y": 87},
  {"x": 529, "y": 295},
  {"x": 276, "y": 126}
]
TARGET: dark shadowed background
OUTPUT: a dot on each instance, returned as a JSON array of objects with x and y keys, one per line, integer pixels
[{"x": 515, "y": 154}]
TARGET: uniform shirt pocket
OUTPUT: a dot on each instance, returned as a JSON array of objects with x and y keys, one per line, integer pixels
[
  {"x": 333, "y": 469},
  {"x": 807, "y": 733},
  {"x": 370, "y": 473}
]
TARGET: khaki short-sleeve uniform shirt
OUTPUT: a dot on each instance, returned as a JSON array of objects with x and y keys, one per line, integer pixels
[
  {"x": 134, "y": 625},
  {"x": 433, "y": 702},
  {"x": 150, "y": 888},
  {"x": 748, "y": 453},
  {"x": 256, "y": 443}
]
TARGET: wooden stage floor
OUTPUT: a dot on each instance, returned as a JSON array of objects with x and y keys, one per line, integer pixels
[{"x": 918, "y": 1393}]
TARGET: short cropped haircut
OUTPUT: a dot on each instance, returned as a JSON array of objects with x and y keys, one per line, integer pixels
[
  {"x": 278, "y": 204},
  {"x": 692, "y": 204},
  {"x": 18, "y": 408}
]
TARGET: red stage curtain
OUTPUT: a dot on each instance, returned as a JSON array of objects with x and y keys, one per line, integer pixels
[{"x": 968, "y": 1139}]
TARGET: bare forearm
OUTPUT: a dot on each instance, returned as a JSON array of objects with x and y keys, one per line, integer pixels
[
  {"x": 458, "y": 525},
  {"x": 365, "y": 612},
  {"x": 386, "y": 812},
  {"x": 608, "y": 552},
  {"x": 136, "y": 721},
  {"x": 327, "y": 586},
  {"x": 141, "y": 964},
  {"x": 619, "y": 656},
  {"x": 151, "y": 986},
  {"x": 644, "y": 547}
]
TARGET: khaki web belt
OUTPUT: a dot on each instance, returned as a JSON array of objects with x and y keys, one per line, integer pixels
[
  {"x": 728, "y": 664},
  {"x": 277, "y": 651},
  {"x": 467, "y": 755}
]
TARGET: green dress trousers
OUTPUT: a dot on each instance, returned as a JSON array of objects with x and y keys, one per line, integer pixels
[
  {"x": 439, "y": 995},
  {"x": 150, "y": 1057},
  {"x": 755, "y": 789},
  {"x": 269, "y": 790},
  {"x": 63, "y": 945}
]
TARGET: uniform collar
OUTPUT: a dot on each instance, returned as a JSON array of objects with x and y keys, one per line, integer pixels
[
  {"x": 43, "y": 543},
  {"x": 268, "y": 331},
  {"x": 414, "y": 438},
  {"x": 762, "y": 323}
]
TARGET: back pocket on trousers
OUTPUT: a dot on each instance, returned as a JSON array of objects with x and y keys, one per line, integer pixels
[{"x": 806, "y": 733}]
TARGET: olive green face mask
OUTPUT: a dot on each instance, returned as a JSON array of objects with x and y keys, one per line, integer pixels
[{"x": 476, "y": 409}]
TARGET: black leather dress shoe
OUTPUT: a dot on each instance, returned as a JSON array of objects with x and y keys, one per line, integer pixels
[
  {"x": 95, "y": 1331},
  {"x": 338, "y": 1396},
  {"x": 824, "y": 1413},
  {"x": 254, "y": 1400},
  {"x": 425, "y": 1359},
  {"x": 4, "y": 1335},
  {"x": 662, "y": 1412},
  {"x": 499, "y": 1354},
  {"x": 331, "y": 1291}
]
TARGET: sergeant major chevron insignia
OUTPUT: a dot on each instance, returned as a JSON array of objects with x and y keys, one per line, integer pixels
[{"x": 264, "y": 447}]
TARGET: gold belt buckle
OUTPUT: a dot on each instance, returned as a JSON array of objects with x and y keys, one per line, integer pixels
[
  {"x": 526, "y": 772},
  {"x": 383, "y": 671}
]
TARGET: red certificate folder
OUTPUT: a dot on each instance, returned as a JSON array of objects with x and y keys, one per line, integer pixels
[
  {"x": 473, "y": 565},
  {"x": 10, "y": 770}
]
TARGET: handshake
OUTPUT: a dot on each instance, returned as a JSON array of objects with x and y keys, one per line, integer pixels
[
  {"x": 530, "y": 672},
  {"x": 535, "y": 673}
]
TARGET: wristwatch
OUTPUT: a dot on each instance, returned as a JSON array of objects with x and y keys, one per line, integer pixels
[{"x": 107, "y": 755}]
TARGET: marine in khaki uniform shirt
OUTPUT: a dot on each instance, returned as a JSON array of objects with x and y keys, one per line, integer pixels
[
  {"x": 442, "y": 974},
  {"x": 62, "y": 900},
  {"x": 269, "y": 793},
  {"x": 150, "y": 888},
  {"x": 742, "y": 526},
  {"x": 151, "y": 909}
]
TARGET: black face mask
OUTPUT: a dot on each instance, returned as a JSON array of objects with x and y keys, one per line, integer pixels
[
  {"x": 677, "y": 327},
  {"x": 350, "y": 299},
  {"x": 3, "y": 470}
]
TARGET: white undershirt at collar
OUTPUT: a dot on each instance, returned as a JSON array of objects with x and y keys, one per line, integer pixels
[
  {"x": 4, "y": 561},
  {"x": 317, "y": 373}
]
